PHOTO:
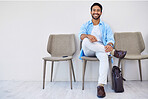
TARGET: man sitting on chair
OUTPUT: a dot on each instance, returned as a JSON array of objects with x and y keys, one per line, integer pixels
[{"x": 97, "y": 40}]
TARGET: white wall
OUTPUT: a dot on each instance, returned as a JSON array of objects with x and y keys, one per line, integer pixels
[{"x": 25, "y": 27}]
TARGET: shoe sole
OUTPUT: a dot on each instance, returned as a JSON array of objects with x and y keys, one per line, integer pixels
[
  {"x": 124, "y": 55},
  {"x": 100, "y": 96}
]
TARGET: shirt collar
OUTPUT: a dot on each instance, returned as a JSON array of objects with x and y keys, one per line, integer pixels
[{"x": 100, "y": 23}]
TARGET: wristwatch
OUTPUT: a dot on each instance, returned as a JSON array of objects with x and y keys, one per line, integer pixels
[{"x": 110, "y": 45}]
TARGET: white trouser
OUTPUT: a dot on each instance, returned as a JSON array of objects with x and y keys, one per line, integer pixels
[{"x": 97, "y": 49}]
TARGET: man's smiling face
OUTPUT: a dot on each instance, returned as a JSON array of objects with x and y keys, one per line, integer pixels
[{"x": 96, "y": 12}]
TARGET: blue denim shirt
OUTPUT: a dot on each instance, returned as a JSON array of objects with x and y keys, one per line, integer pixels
[{"x": 107, "y": 34}]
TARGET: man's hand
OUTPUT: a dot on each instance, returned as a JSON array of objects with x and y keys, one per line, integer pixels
[
  {"x": 92, "y": 38},
  {"x": 108, "y": 48}
]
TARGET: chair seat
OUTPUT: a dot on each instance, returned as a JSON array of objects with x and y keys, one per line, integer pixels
[
  {"x": 135, "y": 57},
  {"x": 57, "y": 58},
  {"x": 89, "y": 58}
]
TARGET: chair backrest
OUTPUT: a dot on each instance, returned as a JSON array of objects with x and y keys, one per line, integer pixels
[
  {"x": 132, "y": 42},
  {"x": 80, "y": 45},
  {"x": 61, "y": 45}
]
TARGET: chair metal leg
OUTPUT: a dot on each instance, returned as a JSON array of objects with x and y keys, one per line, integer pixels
[
  {"x": 119, "y": 62},
  {"x": 73, "y": 71},
  {"x": 122, "y": 64},
  {"x": 122, "y": 67},
  {"x": 70, "y": 73},
  {"x": 110, "y": 66},
  {"x": 140, "y": 69},
  {"x": 84, "y": 68},
  {"x": 44, "y": 72},
  {"x": 51, "y": 70}
]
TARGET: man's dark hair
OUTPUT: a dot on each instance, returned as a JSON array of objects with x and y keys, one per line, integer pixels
[{"x": 96, "y": 4}]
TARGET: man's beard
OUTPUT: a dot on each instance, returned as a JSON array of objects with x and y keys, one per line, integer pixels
[{"x": 95, "y": 18}]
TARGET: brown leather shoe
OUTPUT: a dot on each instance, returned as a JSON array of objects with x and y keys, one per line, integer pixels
[
  {"x": 120, "y": 54},
  {"x": 100, "y": 92}
]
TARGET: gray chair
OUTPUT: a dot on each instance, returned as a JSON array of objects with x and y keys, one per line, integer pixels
[
  {"x": 58, "y": 46},
  {"x": 85, "y": 59},
  {"x": 133, "y": 43}
]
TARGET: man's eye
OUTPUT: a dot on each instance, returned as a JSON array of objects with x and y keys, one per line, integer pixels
[{"x": 98, "y": 10}]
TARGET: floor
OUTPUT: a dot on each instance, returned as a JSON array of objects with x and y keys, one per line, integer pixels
[{"x": 61, "y": 90}]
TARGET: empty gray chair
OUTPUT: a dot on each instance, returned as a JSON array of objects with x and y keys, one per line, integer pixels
[
  {"x": 58, "y": 46},
  {"x": 85, "y": 59},
  {"x": 133, "y": 43}
]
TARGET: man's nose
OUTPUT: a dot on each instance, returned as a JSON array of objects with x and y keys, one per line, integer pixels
[{"x": 96, "y": 12}]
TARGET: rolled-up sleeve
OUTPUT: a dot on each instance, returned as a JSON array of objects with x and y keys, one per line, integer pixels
[
  {"x": 109, "y": 35},
  {"x": 82, "y": 30}
]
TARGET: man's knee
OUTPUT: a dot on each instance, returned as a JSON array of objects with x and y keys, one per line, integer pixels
[{"x": 85, "y": 42}]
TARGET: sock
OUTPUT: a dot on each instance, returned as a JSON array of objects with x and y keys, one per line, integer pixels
[
  {"x": 112, "y": 52},
  {"x": 101, "y": 85}
]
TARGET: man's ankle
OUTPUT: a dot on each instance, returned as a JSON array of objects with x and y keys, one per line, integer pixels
[{"x": 101, "y": 85}]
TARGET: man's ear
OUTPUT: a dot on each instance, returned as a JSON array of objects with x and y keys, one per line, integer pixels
[
  {"x": 101, "y": 13},
  {"x": 90, "y": 12}
]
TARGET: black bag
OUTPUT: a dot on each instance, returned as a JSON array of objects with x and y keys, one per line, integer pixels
[{"x": 117, "y": 80}]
